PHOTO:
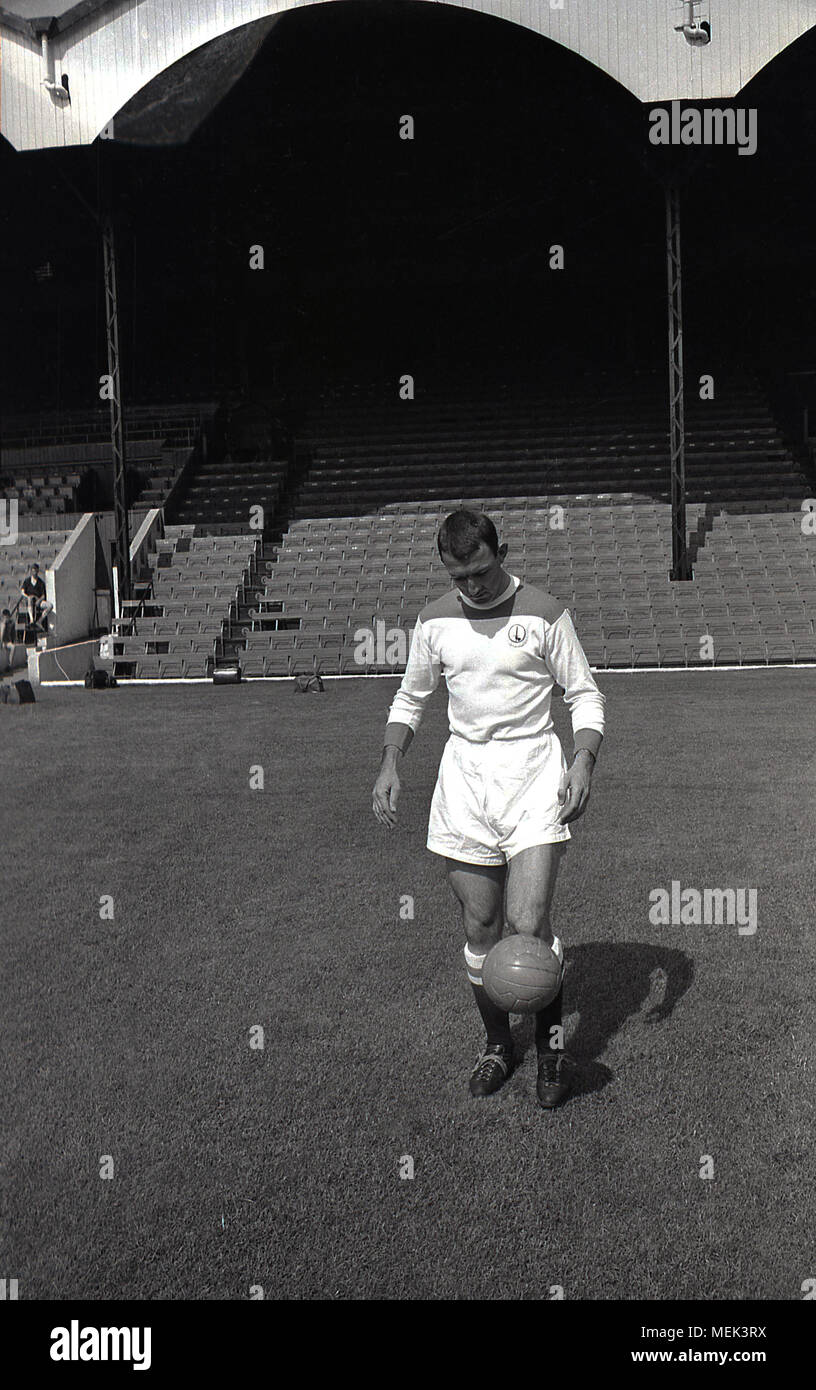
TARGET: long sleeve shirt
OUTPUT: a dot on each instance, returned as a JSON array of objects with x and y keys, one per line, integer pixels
[{"x": 500, "y": 664}]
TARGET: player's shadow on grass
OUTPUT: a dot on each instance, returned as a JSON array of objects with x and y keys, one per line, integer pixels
[{"x": 613, "y": 986}]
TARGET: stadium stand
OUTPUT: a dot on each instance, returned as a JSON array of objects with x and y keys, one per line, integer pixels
[
  {"x": 31, "y": 547},
  {"x": 219, "y": 497},
  {"x": 56, "y": 463},
  {"x": 360, "y": 550},
  {"x": 753, "y": 594},
  {"x": 40, "y": 488},
  {"x": 196, "y": 581},
  {"x": 578, "y": 485},
  {"x": 604, "y": 434}
]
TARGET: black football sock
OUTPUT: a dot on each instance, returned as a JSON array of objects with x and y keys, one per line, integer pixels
[
  {"x": 495, "y": 1020},
  {"x": 547, "y": 1018}
]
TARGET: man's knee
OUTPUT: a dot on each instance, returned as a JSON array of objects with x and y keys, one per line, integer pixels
[
  {"x": 529, "y": 919},
  {"x": 482, "y": 929}
]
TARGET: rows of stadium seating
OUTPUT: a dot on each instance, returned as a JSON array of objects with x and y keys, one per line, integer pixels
[
  {"x": 177, "y": 424},
  {"x": 753, "y": 592},
  {"x": 220, "y": 496},
  {"x": 601, "y": 447},
  {"x": 361, "y": 546},
  {"x": 196, "y": 580},
  {"x": 38, "y": 493},
  {"x": 360, "y": 550},
  {"x": 607, "y": 435},
  {"x": 164, "y": 473},
  {"x": 46, "y": 461}
]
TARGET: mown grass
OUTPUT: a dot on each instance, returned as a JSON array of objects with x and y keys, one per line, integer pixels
[{"x": 234, "y": 907}]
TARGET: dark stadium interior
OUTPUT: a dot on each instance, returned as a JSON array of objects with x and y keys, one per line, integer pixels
[
  {"x": 385, "y": 255},
  {"x": 262, "y": 406}
]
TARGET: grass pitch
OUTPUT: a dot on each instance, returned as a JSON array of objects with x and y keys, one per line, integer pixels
[{"x": 127, "y": 1041}]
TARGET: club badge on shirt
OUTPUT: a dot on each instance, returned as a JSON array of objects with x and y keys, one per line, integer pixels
[{"x": 517, "y": 634}]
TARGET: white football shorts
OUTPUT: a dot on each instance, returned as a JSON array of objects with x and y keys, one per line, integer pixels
[{"x": 492, "y": 800}]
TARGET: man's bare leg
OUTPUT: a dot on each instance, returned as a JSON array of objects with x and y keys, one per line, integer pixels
[
  {"x": 480, "y": 890},
  {"x": 531, "y": 877}
]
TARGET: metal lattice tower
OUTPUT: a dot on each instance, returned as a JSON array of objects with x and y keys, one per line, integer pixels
[
  {"x": 117, "y": 424},
  {"x": 681, "y": 568}
]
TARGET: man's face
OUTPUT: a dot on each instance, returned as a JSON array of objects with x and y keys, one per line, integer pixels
[
  {"x": 35, "y": 571},
  {"x": 481, "y": 577}
]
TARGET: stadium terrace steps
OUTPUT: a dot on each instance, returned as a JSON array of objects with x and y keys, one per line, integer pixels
[
  {"x": 195, "y": 593},
  {"x": 163, "y": 476},
  {"x": 222, "y": 492}
]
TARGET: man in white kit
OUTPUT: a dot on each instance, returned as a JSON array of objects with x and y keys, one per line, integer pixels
[{"x": 505, "y": 795}]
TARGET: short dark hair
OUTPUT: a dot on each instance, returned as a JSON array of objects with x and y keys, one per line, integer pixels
[
  {"x": 462, "y": 532},
  {"x": 33, "y": 565}
]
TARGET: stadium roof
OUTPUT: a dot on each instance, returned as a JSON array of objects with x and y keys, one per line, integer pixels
[
  {"x": 63, "y": 10},
  {"x": 99, "y": 55}
]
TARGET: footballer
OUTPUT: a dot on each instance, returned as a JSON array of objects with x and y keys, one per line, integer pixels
[{"x": 505, "y": 795}]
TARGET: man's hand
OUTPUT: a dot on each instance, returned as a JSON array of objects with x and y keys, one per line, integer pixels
[
  {"x": 387, "y": 790},
  {"x": 573, "y": 794}
]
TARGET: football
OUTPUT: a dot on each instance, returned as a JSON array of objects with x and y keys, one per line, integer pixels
[{"x": 521, "y": 974}]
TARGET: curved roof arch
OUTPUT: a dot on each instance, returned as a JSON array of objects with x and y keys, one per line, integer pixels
[
  {"x": 108, "y": 50},
  {"x": 778, "y": 62}
]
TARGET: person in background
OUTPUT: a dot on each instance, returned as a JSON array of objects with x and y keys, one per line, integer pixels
[{"x": 33, "y": 594}]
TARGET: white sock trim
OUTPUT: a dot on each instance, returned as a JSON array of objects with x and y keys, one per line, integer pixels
[
  {"x": 474, "y": 961},
  {"x": 473, "y": 964}
]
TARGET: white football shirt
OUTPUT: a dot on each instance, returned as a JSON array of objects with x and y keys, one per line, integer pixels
[{"x": 500, "y": 663}]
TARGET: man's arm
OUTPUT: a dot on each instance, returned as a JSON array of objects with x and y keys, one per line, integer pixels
[
  {"x": 418, "y": 684},
  {"x": 398, "y": 736},
  {"x": 567, "y": 662},
  {"x": 588, "y": 741},
  {"x": 575, "y": 792}
]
